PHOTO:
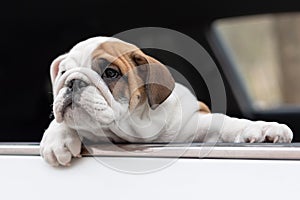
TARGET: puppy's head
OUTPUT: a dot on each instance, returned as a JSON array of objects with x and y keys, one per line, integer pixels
[{"x": 100, "y": 79}]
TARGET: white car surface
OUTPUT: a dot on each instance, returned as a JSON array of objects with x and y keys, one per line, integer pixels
[{"x": 24, "y": 175}]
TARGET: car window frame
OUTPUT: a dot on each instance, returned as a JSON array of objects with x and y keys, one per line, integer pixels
[{"x": 226, "y": 62}]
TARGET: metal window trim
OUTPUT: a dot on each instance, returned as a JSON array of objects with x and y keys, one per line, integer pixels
[{"x": 192, "y": 151}]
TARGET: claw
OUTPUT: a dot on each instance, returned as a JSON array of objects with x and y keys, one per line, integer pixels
[
  {"x": 252, "y": 140},
  {"x": 68, "y": 165},
  {"x": 276, "y": 139}
]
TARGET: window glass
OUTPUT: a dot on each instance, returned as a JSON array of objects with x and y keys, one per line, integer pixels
[{"x": 266, "y": 52}]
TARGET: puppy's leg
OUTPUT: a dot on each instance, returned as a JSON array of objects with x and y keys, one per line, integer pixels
[
  {"x": 221, "y": 128},
  {"x": 59, "y": 144}
]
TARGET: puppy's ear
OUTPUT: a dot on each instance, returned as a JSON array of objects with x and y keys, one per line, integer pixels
[
  {"x": 159, "y": 82},
  {"x": 54, "y": 67}
]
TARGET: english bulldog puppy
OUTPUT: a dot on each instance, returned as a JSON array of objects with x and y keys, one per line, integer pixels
[{"x": 107, "y": 90}]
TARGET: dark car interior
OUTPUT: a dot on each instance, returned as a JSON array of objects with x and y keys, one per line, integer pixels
[{"x": 33, "y": 33}]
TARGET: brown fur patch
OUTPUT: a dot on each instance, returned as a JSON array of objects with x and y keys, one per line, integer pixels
[
  {"x": 128, "y": 59},
  {"x": 119, "y": 54}
]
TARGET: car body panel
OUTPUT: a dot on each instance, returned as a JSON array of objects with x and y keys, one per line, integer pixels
[
  {"x": 29, "y": 177},
  {"x": 108, "y": 174}
]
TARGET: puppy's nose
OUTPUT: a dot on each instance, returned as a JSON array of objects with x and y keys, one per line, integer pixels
[{"x": 76, "y": 84}]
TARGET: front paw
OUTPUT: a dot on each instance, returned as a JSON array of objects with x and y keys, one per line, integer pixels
[
  {"x": 266, "y": 132},
  {"x": 59, "y": 145}
]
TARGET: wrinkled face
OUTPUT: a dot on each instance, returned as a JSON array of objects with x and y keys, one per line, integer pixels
[{"x": 101, "y": 79}]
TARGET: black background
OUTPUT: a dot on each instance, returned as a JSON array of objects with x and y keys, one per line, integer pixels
[{"x": 33, "y": 33}]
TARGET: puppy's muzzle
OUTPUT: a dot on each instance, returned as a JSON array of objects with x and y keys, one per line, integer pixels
[
  {"x": 76, "y": 85},
  {"x": 74, "y": 81}
]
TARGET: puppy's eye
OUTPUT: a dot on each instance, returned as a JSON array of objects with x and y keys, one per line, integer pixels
[
  {"x": 110, "y": 73},
  {"x": 62, "y": 72}
]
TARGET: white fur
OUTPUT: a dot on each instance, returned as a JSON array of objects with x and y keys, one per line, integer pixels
[{"x": 101, "y": 118}]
